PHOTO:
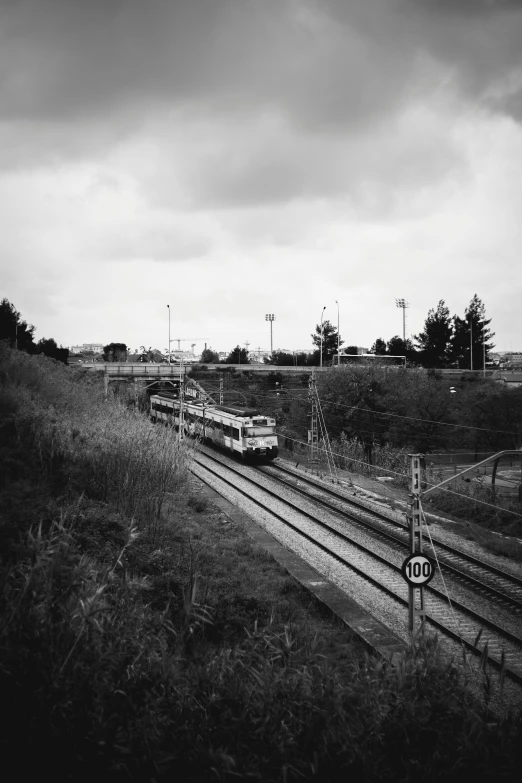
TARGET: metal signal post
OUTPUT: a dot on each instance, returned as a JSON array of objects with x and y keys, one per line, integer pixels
[
  {"x": 416, "y": 609},
  {"x": 181, "y": 399}
]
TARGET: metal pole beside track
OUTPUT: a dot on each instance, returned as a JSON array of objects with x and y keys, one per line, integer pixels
[{"x": 415, "y": 611}]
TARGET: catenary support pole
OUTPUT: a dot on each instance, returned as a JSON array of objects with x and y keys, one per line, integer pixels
[{"x": 416, "y": 609}]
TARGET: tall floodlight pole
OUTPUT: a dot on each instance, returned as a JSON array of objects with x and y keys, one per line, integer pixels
[
  {"x": 338, "y": 356},
  {"x": 403, "y": 304},
  {"x": 321, "y": 356},
  {"x": 168, "y": 306},
  {"x": 471, "y": 341},
  {"x": 484, "y": 346},
  {"x": 270, "y": 317}
]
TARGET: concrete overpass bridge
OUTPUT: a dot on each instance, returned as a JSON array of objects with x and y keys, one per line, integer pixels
[{"x": 174, "y": 372}]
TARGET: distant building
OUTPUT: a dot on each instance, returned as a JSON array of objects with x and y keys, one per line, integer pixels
[
  {"x": 94, "y": 347},
  {"x": 183, "y": 356},
  {"x": 258, "y": 356}
]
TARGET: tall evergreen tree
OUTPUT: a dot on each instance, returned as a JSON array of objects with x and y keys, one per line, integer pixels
[
  {"x": 330, "y": 341},
  {"x": 237, "y": 356},
  {"x": 17, "y": 332},
  {"x": 115, "y": 352},
  {"x": 434, "y": 342},
  {"x": 49, "y": 348},
  {"x": 379, "y": 347},
  {"x": 469, "y": 336},
  {"x": 209, "y": 356},
  {"x": 398, "y": 347}
]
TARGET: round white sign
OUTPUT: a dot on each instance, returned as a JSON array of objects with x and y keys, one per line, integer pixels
[{"x": 418, "y": 570}]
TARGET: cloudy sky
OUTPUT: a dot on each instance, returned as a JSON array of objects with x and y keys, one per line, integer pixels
[{"x": 234, "y": 158}]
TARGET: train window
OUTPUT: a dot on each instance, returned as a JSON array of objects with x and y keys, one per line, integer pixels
[
  {"x": 235, "y": 433},
  {"x": 255, "y": 432}
]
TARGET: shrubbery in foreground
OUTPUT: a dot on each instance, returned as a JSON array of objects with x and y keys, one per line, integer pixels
[{"x": 169, "y": 646}]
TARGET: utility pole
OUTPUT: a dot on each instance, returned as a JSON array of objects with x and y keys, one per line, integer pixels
[
  {"x": 169, "y": 331},
  {"x": 471, "y": 341},
  {"x": 338, "y": 356},
  {"x": 484, "y": 346},
  {"x": 313, "y": 431},
  {"x": 221, "y": 383},
  {"x": 416, "y": 611},
  {"x": 403, "y": 304},
  {"x": 270, "y": 317},
  {"x": 181, "y": 399}
]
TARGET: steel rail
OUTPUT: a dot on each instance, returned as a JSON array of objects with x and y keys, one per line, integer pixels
[
  {"x": 516, "y": 581},
  {"x": 404, "y": 543},
  {"x": 503, "y": 633}
]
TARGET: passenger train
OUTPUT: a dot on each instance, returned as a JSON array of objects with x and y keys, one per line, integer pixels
[{"x": 244, "y": 431}]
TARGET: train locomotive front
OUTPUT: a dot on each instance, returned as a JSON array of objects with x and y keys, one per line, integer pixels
[{"x": 244, "y": 431}]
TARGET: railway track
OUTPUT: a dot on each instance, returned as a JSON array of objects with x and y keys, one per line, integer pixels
[
  {"x": 488, "y": 580},
  {"x": 320, "y": 531}
]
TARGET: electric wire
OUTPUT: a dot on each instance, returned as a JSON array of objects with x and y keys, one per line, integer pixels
[
  {"x": 453, "y": 615},
  {"x": 405, "y": 475},
  {"x": 359, "y": 409}
]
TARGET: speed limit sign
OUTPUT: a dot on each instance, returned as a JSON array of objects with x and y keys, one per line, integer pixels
[{"x": 418, "y": 570}]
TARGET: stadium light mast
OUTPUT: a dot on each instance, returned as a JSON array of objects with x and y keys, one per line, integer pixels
[
  {"x": 471, "y": 341},
  {"x": 338, "y": 355},
  {"x": 321, "y": 356},
  {"x": 403, "y": 304},
  {"x": 270, "y": 317},
  {"x": 484, "y": 346},
  {"x": 168, "y": 306}
]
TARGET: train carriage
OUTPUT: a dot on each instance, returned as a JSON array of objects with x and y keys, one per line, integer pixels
[{"x": 244, "y": 431}]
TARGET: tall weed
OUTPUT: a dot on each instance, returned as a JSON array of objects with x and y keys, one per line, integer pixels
[{"x": 104, "y": 447}]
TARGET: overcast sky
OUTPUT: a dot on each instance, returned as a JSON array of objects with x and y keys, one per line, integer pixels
[{"x": 234, "y": 158}]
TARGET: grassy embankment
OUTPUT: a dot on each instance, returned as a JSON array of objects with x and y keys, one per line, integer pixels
[{"x": 144, "y": 636}]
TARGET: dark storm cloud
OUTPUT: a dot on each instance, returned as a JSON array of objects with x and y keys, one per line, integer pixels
[
  {"x": 327, "y": 63},
  {"x": 480, "y": 40},
  {"x": 272, "y": 163},
  {"x": 79, "y": 78}
]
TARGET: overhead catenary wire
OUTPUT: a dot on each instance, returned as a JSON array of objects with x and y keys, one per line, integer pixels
[
  {"x": 331, "y": 462},
  {"x": 394, "y": 415},
  {"x": 455, "y": 620},
  {"x": 405, "y": 475}
]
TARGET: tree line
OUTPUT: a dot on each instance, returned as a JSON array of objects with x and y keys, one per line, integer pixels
[
  {"x": 418, "y": 410},
  {"x": 19, "y": 334},
  {"x": 445, "y": 342}
]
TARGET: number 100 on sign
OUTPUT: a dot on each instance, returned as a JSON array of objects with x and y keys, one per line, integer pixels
[{"x": 418, "y": 570}]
